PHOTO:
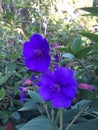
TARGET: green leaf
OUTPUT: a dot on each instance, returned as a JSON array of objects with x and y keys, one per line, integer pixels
[
  {"x": 9, "y": 15},
  {"x": 83, "y": 52},
  {"x": 2, "y": 93},
  {"x": 68, "y": 55},
  {"x": 84, "y": 126},
  {"x": 91, "y": 124},
  {"x": 2, "y": 128},
  {"x": 15, "y": 115},
  {"x": 94, "y": 104},
  {"x": 92, "y": 10},
  {"x": 81, "y": 103},
  {"x": 3, "y": 79},
  {"x": 6, "y": 1},
  {"x": 29, "y": 105},
  {"x": 23, "y": 6},
  {"x": 40, "y": 123},
  {"x": 70, "y": 114},
  {"x": 91, "y": 36},
  {"x": 96, "y": 82},
  {"x": 35, "y": 96},
  {"x": 76, "y": 44},
  {"x": 19, "y": 126},
  {"x": 86, "y": 94},
  {"x": 4, "y": 116},
  {"x": 66, "y": 50},
  {"x": 11, "y": 66}
]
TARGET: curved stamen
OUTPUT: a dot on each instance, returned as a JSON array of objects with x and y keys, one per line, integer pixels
[
  {"x": 55, "y": 87},
  {"x": 38, "y": 52}
]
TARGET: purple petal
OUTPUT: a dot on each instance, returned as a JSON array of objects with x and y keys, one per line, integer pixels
[
  {"x": 46, "y": 81},
  {"x": 21, "y": 88},
  {"x": 27, "y": 49},
  {"x": 34, "y": 77},
  {"x": 63, "y": 75},
  {"x": 64, "y": 71},
  {"x": 36, "y": 37},
  {"x": 36, "y": 41},
  {"x": 47, "y": 78},
  {"x": 46, "y": 46},
  {"x": 45, "y": 93},
  {"x": 60, "y": 101},
  {"x": 38, "y": 64},
  {"x": 56, "y": 58},
  {"x": 69, "y": 89},
  {"x": 22, "y": 97},
  {"x": 69, "y": 92}
]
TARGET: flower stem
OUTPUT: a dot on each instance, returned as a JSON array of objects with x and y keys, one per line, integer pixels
[
  {"x": 39, "y": 110},
  {"x": 74, "y": 119},
  {"x": 61, "y": 119},
  {"x": 46, "y": 109},
  {"x": 52, "y": 114},
  {"x": 57, "y": 116}
]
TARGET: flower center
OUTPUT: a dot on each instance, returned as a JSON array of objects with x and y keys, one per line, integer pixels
[
  {"x": 55, "y": 88},
  {"x": 38, "y": 52}
]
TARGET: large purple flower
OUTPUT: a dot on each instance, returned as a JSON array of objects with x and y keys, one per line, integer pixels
[
  {"x": 59, "y": 86},
  {"x": 36, "y": 53}
]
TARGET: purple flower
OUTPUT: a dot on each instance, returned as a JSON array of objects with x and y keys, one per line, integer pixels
[
  {"x": 59, "y": 86},
  {"x": 57, "y": 58},
  {"x": 36, "y": 53},
  {"x": 22, "y": 95}
]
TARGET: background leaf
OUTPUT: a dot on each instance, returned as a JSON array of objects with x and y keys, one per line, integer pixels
[
  {"x": 3, "y": 79},
  {"x": 84, "y": 126},
  {"x": 91, "y": 36},
  {"x": 40, "y": 123},
  {"x": 11, "y": 66},
  {"x": 92, "y": 10},
  {"x": 35, "y": 96},
  {"x": 94, "y": 104},
  {"x": 29, "y": 105},
  {"x": 76, "y": 44},
  {"x": 2, "y": 93},
  {"x": 83, "y": 52}
]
